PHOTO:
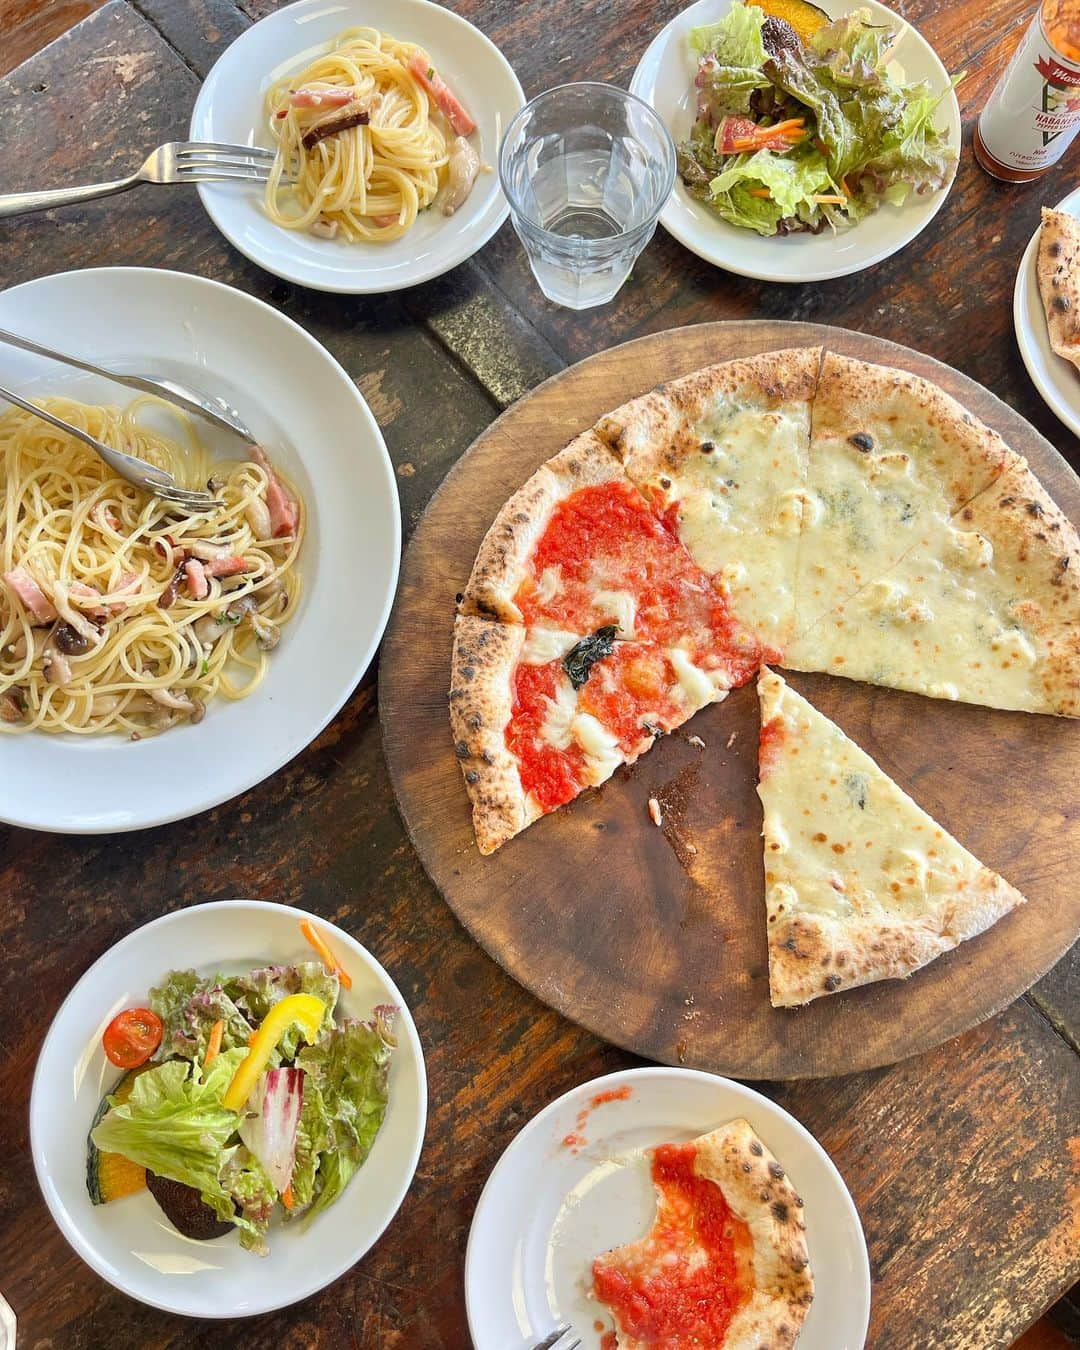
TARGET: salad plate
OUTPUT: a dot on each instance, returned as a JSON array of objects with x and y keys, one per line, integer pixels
[
  {"x": 1056, "y": 379},
  {"x": 301, "y": 404},
  {"x": 129, "y": 1241},
  {"x": 575, "y": 1183},
  {"x": 665, "y": 78},
  {"x": 230, "y": 108}
]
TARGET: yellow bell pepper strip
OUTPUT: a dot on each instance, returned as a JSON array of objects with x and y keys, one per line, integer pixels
[{"x": 303, "y": 1008}]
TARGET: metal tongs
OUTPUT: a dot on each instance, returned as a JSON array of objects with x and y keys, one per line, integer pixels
[{"x": 135, "y": 470}]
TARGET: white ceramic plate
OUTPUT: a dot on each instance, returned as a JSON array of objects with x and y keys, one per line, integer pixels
[
  {"x": 308, "y": 413},
  {"x": 547, "y": 1211},
  {"x": 230, "y": 108},
  {"x": 665, "y": 79},
  {"x": 129, "y": 1242},
  {"x": 1056, "y": 379}
]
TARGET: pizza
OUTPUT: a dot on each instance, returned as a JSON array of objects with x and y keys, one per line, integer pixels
[
  {"x": 585, "y": 631},
  {"x": 1059, "y": 281},
  {"x": 725, "y": 1263},
  {"x": 986, "y": 610},
  {"x": 797, "y": 508},
  {"x": 860, "y": 883}
]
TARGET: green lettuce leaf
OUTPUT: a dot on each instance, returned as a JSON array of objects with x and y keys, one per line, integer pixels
[
  {"x": 792, "y": 181},
  {"x": 174, "y": 1124},
  {"x": 188, "y": 1007},
  {"x": 853, "y": 49},
  {"x": 731, "y": 65},
  {"x": 345, "y": 1099},
  {"x": 252, "y": 1195}
]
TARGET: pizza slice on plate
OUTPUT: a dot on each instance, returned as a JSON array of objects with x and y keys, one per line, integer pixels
[
  {"x": 985, "y": 610},
  {"x": 892, "y": 457},
  {"x": 1058, "y": 272},
  {"x": 725, "y": 1263},
  {"x": 723, "y": 453},
  {"x": 860, "y": 883}
]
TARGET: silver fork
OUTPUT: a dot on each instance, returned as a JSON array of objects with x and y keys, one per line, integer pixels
[
  {"x": 562, "y": 1338},
  {"x": 214, "y": 409},
  {"x": 137, "y": 471},
  {"x": 175, "y": 162}
]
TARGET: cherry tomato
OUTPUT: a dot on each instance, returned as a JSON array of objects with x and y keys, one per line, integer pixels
[{"x": 132, "y": 1037}]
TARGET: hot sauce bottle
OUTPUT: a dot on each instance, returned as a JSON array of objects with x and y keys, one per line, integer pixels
[{"x": 1033, "y": 112}]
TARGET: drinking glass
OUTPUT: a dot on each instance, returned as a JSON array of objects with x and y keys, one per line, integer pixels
[{"x": 586, "y": 169}]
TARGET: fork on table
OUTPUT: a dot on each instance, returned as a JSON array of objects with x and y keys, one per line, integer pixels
[
  {"x": 562, "y": 1338},
  {"x": 175, "y": 162}
]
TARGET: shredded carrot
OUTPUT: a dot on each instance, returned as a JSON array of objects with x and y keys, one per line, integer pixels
[
  {"x": 213, "y": 1045},
  {"x": 844, "y": 187},
  {"x": 327, "y": 957},
  {"x": 287, "y": 1196},
  {"x": 762, "y": 192},
  {"x": 829, "y": 199}
]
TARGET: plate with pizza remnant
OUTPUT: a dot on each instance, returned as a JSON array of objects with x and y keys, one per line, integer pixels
[
  {"x": 1057, "y": 380},
  {"x": 576, "y": 1183}
]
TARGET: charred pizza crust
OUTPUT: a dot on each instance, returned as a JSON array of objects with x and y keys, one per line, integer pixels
[
  {"x": 1058, "y": 272},
  {"x": 481, "y": 699},
  {"x": 655, "y": 434},
  {"x": 501, "y": 562},
  {"x": 862, "y": 407}
]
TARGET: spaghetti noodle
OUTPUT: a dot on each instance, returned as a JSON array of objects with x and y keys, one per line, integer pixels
[
  {"x": 365, "y": 140},
  {"x": 119, "y": 613}
]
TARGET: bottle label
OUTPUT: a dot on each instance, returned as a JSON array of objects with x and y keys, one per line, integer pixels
[{"x": 1034, "y": 110}]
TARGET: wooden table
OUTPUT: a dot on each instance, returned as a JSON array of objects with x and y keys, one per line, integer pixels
[{"x": 963, "y": 1162}]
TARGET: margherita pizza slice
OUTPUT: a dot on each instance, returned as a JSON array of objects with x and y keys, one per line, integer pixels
[
  {"x": 723, "y": 453},
  {"x": 891, "y": 458},
  {"x": 860, "y": 883},
  {"x": 725, "y": 1264},
  {"x": 985, "y": 610},
  {"x": 540, "y": 714},
  {"x": 1058, "y": 272}
]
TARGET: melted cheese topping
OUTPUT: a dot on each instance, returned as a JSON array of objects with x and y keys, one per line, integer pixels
[
  {"x": 547, "y": 644},
  {"x": 619, "y": 606},
  {"x": 869, "y": 508},
  {"x": 600, "y": 746},
  {"x": 698, "y": 686},
  {"x": 743, "y": 503},
  {"x": 946, "y": 620},
  {"x": 841, "y": 838}
]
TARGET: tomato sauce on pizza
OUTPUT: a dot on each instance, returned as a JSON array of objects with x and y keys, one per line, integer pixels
[
  {"x": 682, "y": 1288},
  {"x": 606, "y": 539}
]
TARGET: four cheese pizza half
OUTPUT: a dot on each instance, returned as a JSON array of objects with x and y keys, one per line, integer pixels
[
  {"x": 860, "y": 883},
  {"x": 725, "y": 1263}
]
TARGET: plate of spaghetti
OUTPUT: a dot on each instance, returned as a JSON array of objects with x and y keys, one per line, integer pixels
[
  {"x": 386, "y": 118},
  {"x": 155, "y": 663}
]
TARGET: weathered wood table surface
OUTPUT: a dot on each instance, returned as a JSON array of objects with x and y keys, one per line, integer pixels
[{"x": 963, "y": 1162}]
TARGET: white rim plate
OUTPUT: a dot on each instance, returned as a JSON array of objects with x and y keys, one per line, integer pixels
[
  {"x": 546, "y": 1211},
  {"x": 1057, "y": 380},
  {"x": 129, "y": 1242},
  {"x": 230, "y": 108},
  {"x": 309, "y": 414},
  {"x": 664, "y": 78}
]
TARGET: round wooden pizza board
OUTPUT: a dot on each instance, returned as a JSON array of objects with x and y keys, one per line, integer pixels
[{"x": 655, "y": 938}]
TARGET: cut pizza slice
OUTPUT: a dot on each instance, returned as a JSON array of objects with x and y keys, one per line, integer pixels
[
  {"x": 1058, "y": 273},
  {"x": 985, "y": 610},
  {"x": 892, "y": 458},
  {"x": 723, "y": 453},
  {"x": 725, "y": 1263},
  {"x": 541, "y": 714},
  {"x": 860, "y": 883}
]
